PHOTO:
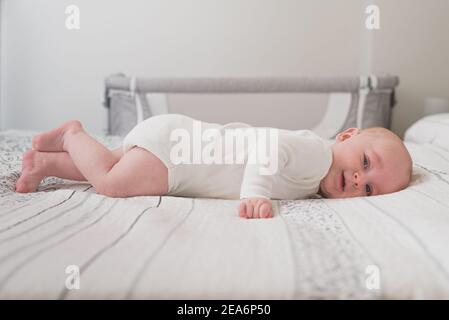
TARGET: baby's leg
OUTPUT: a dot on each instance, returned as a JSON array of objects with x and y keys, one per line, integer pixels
[
  {"x": 138, "y": 172},
  {"x": 37, "y": 165}
]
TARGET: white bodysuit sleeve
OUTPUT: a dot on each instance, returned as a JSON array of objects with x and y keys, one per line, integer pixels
[
  {"x": 257, "y": 185},
  {"x": 303, "y": 160}
]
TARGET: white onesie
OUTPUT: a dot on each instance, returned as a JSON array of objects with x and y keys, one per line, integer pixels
[{"x": 303, "y": 159}]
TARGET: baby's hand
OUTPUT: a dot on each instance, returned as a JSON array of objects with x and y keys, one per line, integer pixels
[{"x": 255, "y": 208}]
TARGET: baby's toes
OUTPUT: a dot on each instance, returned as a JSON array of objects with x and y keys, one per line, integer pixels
[
  {"x": 20, "y": 186},
  {"x": 26, "y": 183}
]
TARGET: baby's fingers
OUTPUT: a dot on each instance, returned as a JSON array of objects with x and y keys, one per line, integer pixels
[
  {"x": 242, "y": 209},
  {"x": 265, "y": 210},
  {"x": 255, "y": 208},
  {"x": 246, "y": 209},
  {"x": 249, "y": 209}
]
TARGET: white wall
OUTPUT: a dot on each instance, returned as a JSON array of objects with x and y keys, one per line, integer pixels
[
  {"x": 413, "y": 42},
  {"x": 50, "y": 74},
  {"x": 2, "y": 64},
  {"x": 53, "y": 74}
]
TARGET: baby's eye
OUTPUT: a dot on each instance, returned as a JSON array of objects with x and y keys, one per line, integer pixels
[
  {"x": 365, "y": 162},
  {"x": 368, "y": 189}
]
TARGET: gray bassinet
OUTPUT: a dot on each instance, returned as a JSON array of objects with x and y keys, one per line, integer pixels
[{"x": 361, "y": 102}]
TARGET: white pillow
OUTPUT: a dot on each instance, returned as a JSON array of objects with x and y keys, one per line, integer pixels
[{"x": 432, "y": 129}]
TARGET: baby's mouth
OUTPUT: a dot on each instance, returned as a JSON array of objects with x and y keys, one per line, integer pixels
[{"x": 343, "y": 183}]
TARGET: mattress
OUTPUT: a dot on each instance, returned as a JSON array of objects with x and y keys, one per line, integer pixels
[{"x": 68, "y": 242}]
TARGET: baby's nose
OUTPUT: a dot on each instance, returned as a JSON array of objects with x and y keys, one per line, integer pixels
[{"x": 356, "y": 179}]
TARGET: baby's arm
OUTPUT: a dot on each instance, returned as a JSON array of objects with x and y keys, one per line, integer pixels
[
  {"x": 256, "y": 189},
  {"x": 255, "y": 194}
]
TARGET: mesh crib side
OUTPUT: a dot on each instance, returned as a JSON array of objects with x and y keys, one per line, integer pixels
[
  {"x": 123, "y": 112},
  {"x": 376, "y": 112},
  {"x": 378, "y": 107},
  {"x": 126, "y": 101}
]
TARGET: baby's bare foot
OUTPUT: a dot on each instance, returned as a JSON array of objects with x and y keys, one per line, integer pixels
[
  {"x": 33, "y": 171},
  {"x": 53, "y": 140}
]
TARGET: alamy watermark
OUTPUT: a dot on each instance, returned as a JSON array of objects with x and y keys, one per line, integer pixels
[
  {"x": 72, "y": 21},
  {"x": 372, "y": 279},
  {"x": 234, "y": 146},
  {"x": 73, "y": 280},
  {"x": 372, "y": 21}
]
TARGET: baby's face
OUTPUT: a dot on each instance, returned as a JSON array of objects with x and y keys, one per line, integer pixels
[{"x": 365, "y": 164}]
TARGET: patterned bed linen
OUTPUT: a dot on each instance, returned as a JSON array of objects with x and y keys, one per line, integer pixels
[{"x": 392, "y": 246}]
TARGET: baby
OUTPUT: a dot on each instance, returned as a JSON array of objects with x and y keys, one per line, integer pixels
[{"x": 364, "y": 162}]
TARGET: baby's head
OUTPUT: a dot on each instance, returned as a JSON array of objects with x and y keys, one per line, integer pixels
[{"x": 367, "y": 162}]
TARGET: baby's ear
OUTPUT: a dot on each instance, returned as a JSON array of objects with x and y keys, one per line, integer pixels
[{"x": 348, "y": 133}]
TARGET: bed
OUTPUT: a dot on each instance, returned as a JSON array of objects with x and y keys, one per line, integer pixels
[
  {"x": 384, "y": 247},
  {"x": 68, "y": 242}
]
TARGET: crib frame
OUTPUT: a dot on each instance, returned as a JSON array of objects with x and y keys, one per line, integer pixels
[{"x": 364, "y": 101}]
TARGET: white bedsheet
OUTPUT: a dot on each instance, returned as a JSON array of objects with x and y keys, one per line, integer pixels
[
  {"x": 433, "y": 129},
  {"x": 168, "y": 247}
]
